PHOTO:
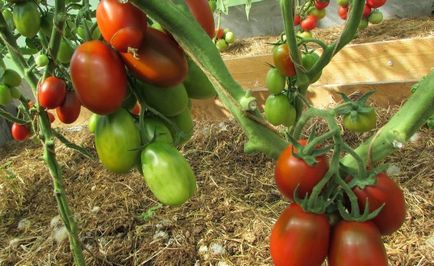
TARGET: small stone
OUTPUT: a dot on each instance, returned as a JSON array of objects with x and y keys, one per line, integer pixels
[
  {"x": 217, "y": 249},
  {"x": 393, "y": 170},
  {"x": 222, "y": 263},
  {"x": 95, "y": 209},
  {"x": 56, "y": 221},
  {"x": 430, "y": 241},
  {"x": 161, "y": 235},
  {"x": 60, "y": 234},
  {"x": 203, "y": 249},
  {"x": 24, "y": 224}
]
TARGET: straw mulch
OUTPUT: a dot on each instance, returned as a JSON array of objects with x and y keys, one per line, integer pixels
[{"x": 227, "y": 222}]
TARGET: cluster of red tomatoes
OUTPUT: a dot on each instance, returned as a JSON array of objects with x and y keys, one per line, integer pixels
[
  {"x": 303, "y": 237},
  {"x": 140, "y": 118},
  {"x": 309, "y": 15},
  {"x": 223, "y": 39},
  {"x": 370, "y": 13}
]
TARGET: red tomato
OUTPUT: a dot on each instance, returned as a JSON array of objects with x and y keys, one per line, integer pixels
[
  {"x": 321, "y": 4},
  {"x": 220, "y": 33},
  {"x": 356, "y": 244},
  {"x": 121, "y": 24},
  {"x": 299, "y": 238},
  {"x": 136, "y": 109},
  {"x": 202, "y": 12},
  {"x": 297, "y": 20},
  {"x": 160, "y": 60},
  {"x": 99, "y": 77},
  {"x": 392, "y": 216},
  {"x": 375, "y": 3},
  {"x": 343, "y": 12},
  {"x": 291, "y": 172},
  {"x": 20, "y": 132},
  {"x": 69, "y": 111},
  {"x": 51, "y": 92},
  {"x": 309, "y": 23},
  {"x": 282, "y": 60},
  {"x": 366, "y": 11},
  {"x": 51, "y": 117}
]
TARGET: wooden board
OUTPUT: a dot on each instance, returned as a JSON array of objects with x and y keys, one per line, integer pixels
[{"x": 391, "y": 61}]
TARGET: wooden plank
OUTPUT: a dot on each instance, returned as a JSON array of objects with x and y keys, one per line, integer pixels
[{"x": 391, "y": 61}]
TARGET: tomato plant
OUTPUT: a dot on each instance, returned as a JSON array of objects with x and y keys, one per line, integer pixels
[
  {"x": 299, "y": 238},
  {"x": 356, "y": 243},
  {"x": 384, "y": 191},
  {"x": 159, "y": 60},
  {"x": 98, "y": 76},
  {"x": 51, "y": 92},
  {"x": 121, "y": 24},
  {"x": 292, "y": 172}
]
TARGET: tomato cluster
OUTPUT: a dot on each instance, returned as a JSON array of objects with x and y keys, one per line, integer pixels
[
  {"x": 309, "y": 16},
  {"x": 139, "y": 119},
  {"x": 304, "y": 236},
  {"x": 370, "y": 13},
  {"x": 223, "y": 39}
]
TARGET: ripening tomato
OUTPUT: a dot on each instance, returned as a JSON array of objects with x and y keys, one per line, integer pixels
[
  {"x": 309, "y": 23},
  {"x": 356, "y": 244},
  {"x": 366, "y": 11},
  {"x": 343, "y": 3},
  {"x": 375, "y": 3},
  {"x": 321, "y": 4},
  {"x": 219, "y": 33},
  {"x": 121, "y": 24},
  {"x": 343, "y": 12},
  {"x": 20, "y": 132},
  {"x": 69, "y": 111},
  {"x": 51, "y": 92},
  {"x": 299, "y": 238},
  {"x": 386, "y": 191},
  {"x": 291, "y": 172},
  {"x": 282, "y": 60},
  {"x": 98, "y": 76},
  {"x": 160, "y": 60},
  {"x": 201, "y": 10},
  {"x": 297, "y": 20},
  {"x": 136, "y": 109}
]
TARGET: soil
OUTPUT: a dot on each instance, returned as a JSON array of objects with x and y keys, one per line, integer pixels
[{"x": 227, "y": 222}]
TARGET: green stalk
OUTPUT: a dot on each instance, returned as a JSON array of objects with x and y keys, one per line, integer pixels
[
  {"x": 47, "y": 137},
  {"x": 404, "y": 124},
  {"x": 203, "y": 52}
]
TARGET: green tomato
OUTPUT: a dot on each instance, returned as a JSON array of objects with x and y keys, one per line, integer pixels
[
  {"x": 360, "y": 122},
  {"x": 318, "y": 13},
  {"x": 230, "y": 37},
  {"x": 278, "y": 110},
  {"x": 308, "y": 60},
  {"x": 275, "y": 82},
  {"x": 91, "y": 124},
  {"x": 41, "y": 60},
  {"x": 197, "y": 83},
  {"x": 221, "y": 45},
  {"x": 117, "y": 141},
  {"x": 167, "y": 174},
  {"x": 155, "y": 130},
  {"x": 375, "y": 17},
  {"x": 5, "y": 95},
  {"x": 363, "y": 24},
  {"x": 304, "y": 34},
  {"x": 168, "y": 101},
  {"x": 11, "y": 78},
  {"x": 15, "y": 93},
  {"x": 47, "y": 24},
  {"x": 184, "y": 127},
  {"x": 8, "y": 16},
  {"x": 65, "y": 52},
  {"x": 343, "y": 2},
  {"x": 27, "y": 19}
]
